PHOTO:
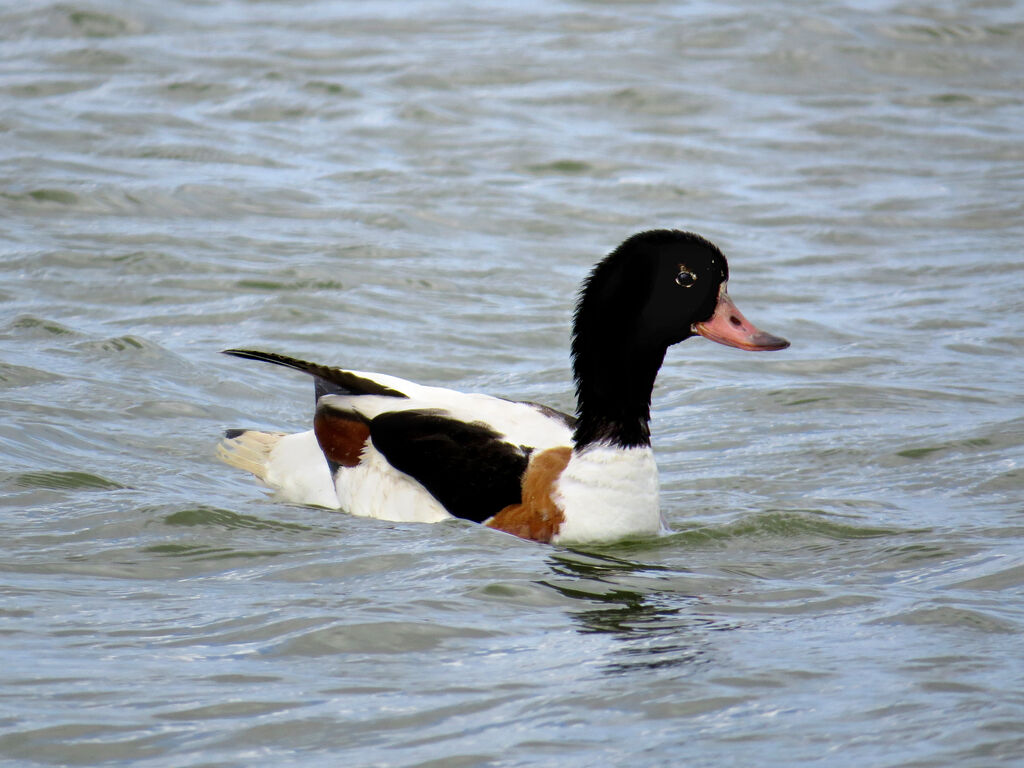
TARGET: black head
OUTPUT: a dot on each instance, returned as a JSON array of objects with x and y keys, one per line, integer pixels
[
  {"x": 651, "y": 290},
  {"x": 655, "y": 290}
]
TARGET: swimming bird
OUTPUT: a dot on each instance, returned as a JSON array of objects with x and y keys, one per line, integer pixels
[{"x": 392, "y": 449}]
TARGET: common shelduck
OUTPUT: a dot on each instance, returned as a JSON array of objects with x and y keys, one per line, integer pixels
[{"x": 391, "y": 449}]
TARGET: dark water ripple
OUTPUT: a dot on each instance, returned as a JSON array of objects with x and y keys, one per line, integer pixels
[{"x": 418, "y": 188}]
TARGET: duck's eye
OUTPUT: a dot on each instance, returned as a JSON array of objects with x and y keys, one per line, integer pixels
[{"x": 686, "y": 278}]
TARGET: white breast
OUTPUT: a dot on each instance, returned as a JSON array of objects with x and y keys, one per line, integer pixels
[{"x": 608, "y": 493}]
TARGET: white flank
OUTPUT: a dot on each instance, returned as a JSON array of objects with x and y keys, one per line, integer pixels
[
  {"x": 608, "y": 493},
  {"x": 292, "y": 465},
  {"x": 373, "y": 488},
  {"x": 295, "y": 468}
]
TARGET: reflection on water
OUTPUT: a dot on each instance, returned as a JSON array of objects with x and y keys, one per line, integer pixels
[
  {"x": 656, "y": 627},
  {"x": 663, "y": 616}
]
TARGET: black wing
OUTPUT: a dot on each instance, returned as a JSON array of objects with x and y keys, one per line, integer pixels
[
  {"x": 469, "y": 468},
  {"x": 328, "y": 380}
]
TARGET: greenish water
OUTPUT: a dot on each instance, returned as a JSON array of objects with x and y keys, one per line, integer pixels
[{"x": 417, "y": 188}]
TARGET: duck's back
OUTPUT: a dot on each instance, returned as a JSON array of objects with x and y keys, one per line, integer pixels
[{"x": 401, "y": 451}]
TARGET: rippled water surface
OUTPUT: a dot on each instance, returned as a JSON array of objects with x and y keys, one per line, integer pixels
[{"x": 418, "y": 188}]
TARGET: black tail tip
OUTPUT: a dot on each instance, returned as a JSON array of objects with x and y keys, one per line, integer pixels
[{"x": 231, "y": 434}]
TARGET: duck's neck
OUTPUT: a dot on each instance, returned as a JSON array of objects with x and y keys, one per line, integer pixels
[{"x": 613, "y": 389}]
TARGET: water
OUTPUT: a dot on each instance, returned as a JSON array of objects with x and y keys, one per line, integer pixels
[{"x": 417, "y": 188}]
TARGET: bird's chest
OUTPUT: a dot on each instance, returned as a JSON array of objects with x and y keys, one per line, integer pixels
[{"x": 608, "y": 493}]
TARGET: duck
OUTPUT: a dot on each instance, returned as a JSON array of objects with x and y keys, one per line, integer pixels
[{"x": 383, "y": 447}]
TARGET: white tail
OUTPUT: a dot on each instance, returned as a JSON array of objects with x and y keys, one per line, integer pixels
[{"x": 249, "y": 450}]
